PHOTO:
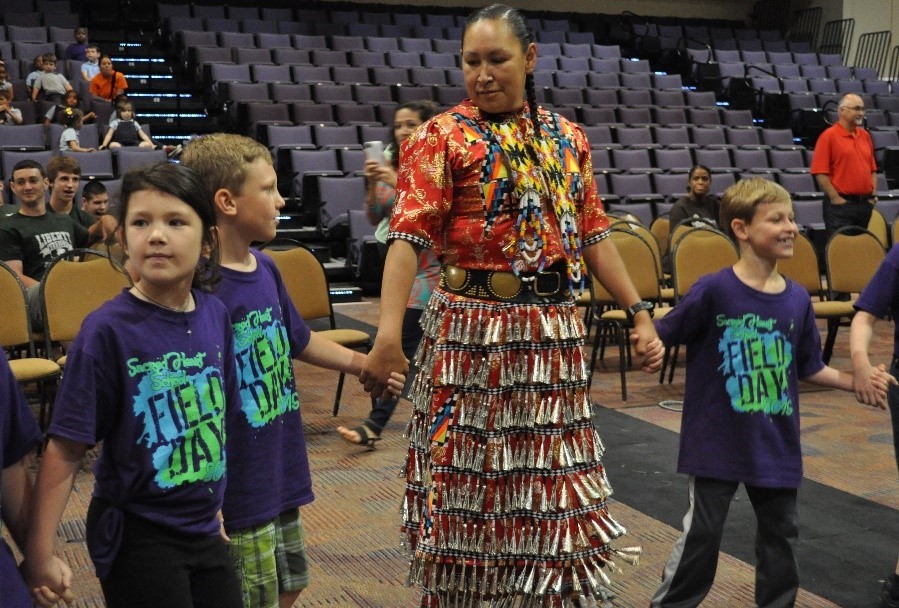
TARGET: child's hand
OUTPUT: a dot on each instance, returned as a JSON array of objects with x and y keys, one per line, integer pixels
[
  {"x": 396, "y": 383},
  {"x": 51, "y": 582},
  {"x": 222, "y": 532},
  {"x": 881, "y": 380},
  {"x": 652, "y": 355}
]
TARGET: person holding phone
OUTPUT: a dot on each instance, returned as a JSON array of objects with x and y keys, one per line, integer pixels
[{"x": 381, "y": 172}]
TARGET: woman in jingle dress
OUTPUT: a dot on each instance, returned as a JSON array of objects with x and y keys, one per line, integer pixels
[{"x": 506, "y": 494}]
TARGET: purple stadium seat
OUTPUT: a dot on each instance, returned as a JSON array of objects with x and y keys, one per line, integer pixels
[
  {"x": 673, "y": 136},
  {"x": 344, "y": 74},
  {"x": 336, "y": 136},
  {"x": 673, "y": 159},
  {"x": 269, "y": 40},
  {"x": 287, "y": 93},
  {"x": 312, "y": 113},
  {"x": 635, "y": 97}
]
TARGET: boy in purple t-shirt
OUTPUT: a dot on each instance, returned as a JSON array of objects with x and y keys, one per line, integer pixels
[
  {"x": 750, "y": 336},
  {"x": 879, "y": 299},
  {"x": 268, "y": 469}
]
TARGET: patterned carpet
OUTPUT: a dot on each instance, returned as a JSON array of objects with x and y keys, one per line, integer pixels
[{"x": 848, "y": 505}]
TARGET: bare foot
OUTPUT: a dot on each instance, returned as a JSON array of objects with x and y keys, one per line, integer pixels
[{"x": 361, "y": 435}]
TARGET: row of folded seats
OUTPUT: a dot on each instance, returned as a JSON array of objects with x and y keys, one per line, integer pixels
[
  {"x": 250, "y": 103},
  {"x": 184, "y": 39},
  {"x": 40, "y": 143},
  {"x": 809, "y": 63},
  {"x": 198, "y": 58},
  {"x": 330, "y": 28},
  {"x": 442, "y": 71},
  {"x": 647, "y": 196},
  {"x": 36, "y": 12}
]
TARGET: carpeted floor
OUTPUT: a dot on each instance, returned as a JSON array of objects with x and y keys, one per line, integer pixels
[{"x": 848, "y": 503}]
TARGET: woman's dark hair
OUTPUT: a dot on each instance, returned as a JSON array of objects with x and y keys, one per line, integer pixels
[
  {"x": 695, "y": 168},
  {"x": 184, "y": 184},
  {"x": 424, "y": 109},
  {"x": 519, "y": 26}
]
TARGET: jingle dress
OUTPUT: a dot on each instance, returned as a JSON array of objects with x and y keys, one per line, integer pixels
[{"x": 505, "y": 492}]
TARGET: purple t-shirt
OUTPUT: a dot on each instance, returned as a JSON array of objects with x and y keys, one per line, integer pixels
[
  {"x": 881, "y": 296},
  {"x": 268, "y": 468},
  {"x": 155, "y": 386},
  {"x": 19, "y": 434},
  {"x": 746, "y": 351}
]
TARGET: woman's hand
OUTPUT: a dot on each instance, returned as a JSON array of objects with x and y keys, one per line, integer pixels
[
  {"x": 377, "y": 172},
  {"x": 383, "y": 367}
]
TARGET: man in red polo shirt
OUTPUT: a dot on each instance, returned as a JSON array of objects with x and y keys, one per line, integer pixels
[{"x": 843, "y": 165}]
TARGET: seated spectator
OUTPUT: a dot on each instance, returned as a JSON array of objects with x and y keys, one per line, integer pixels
[
  {"x": 108, "y": 84},
  {"x": 5, "y": 84},
  {"x": 50, "y": 85},
  {"x": 698, "y": 207},
  {"x": 77, "y": 51},
  {"x": 95, "y": 198},
  {"x": 71, "y": 100},
  {"x": 124, "y": 130},
  {"x": 68, "y": 141},
  {"x": 32, "y": 236},
  {"x": 8, "y": 114},
  {"x": 698, "y": 204},
  {"x": 37, "y": 68},
  {"x": 91, "y": 67}
]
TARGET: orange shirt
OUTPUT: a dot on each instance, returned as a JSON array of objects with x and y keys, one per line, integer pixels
[
  {"x": 846, "y": 158},
  {"x": 102, "y": 87}
]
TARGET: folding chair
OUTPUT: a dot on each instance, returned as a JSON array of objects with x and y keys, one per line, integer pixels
[
  {"x": 642, "y": 266},
  {"x": 71, "y": 289},
  {"x": 16, "y": 337},
  {"x": 307, "y": 285},
  {"x": 851, "y": 258},
  {"x": 694, "y": 252}
]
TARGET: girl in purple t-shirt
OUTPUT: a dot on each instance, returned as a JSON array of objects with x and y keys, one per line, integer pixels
[{"x": 151, "y": 374}]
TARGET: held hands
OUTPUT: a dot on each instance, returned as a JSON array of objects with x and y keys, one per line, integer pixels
[
  {"x": 648, "y": 346},
  {"x": 50, "y": 582},
  {"x": 384, "y": 371},
  {"x": 871, "y": 385}
]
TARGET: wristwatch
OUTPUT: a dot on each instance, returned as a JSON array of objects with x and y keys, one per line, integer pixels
[{"x": 632, "y": 310}]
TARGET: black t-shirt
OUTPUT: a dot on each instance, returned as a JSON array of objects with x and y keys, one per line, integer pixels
[
  {"x": 82, "y": 217},
  {"x": 37, "y": 240}
]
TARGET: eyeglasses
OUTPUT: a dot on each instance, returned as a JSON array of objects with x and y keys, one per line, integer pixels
[{"x": 855, "y": 108}]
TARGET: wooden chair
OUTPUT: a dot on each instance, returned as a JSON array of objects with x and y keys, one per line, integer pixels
[
  {"x": 307, "y": 285},
  {"x": 71, "y": 289},
  {"x": 695, "y": 252},
  {"x": 851, "y": 258},
  {"x": 642, "y": 265},
  {"x": 16, "y": 338}
]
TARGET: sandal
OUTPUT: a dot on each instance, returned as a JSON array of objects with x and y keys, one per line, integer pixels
[{"x": 367, "y": 437}]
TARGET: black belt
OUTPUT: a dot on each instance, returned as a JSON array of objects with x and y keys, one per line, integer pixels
[
  {"x": 857, "y": 198},
  {"x": 530, "y": 287}
]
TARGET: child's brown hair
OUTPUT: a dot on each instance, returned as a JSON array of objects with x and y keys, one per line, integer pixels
[{"x": 741, "y": 200}]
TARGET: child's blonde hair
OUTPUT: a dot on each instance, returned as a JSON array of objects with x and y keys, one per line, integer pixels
[
  {"x": 740, "y": 201},
  {"x": 221, "y": 159}
]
